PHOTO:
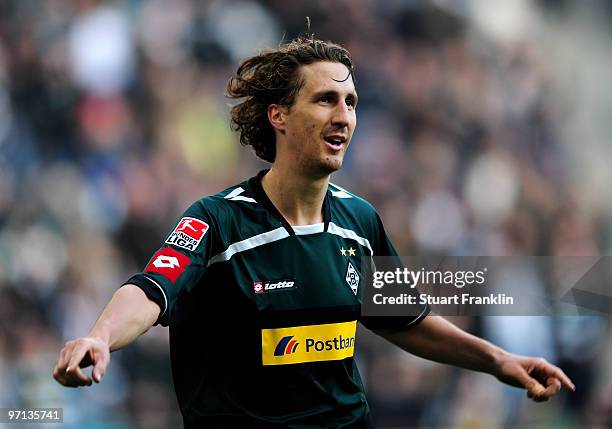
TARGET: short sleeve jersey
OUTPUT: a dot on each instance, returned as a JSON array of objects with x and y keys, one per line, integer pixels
[{"x": 262, "y": 314}]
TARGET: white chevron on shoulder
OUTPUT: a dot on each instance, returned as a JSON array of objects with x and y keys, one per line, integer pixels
[
  {"x": 235, "y": 196},
  {"x": 341, "y": 192}
]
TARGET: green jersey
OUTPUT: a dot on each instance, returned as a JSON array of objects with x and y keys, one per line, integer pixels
[{"x": 263, "y": 314}]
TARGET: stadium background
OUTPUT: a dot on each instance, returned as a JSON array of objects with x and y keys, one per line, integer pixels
[{"x": 483, "y": 129}]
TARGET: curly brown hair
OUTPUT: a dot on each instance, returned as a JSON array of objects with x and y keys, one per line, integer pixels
[{"x": 272, "y": 78}]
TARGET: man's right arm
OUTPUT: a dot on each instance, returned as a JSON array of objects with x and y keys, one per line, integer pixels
[{"x": 127, "y": 315}]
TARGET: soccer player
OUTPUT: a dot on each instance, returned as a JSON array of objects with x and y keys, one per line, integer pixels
[{"x": 261, "y": 283}]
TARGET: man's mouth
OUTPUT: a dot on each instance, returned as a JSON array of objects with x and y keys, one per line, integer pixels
[{"x": 336, "y": 141}]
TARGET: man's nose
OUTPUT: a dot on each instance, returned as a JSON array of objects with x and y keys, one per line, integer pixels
[{"x": 342, "y": 115}]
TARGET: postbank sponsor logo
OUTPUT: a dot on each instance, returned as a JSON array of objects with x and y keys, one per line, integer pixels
[
  {"x": 311, "y": 343},
  {"x": 286, "y": 345}
]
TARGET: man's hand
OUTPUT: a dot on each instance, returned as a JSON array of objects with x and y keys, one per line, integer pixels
[
  {"x": 128, "y": 315},
  {"x": 439, "y": 340},
  {"x": 541, "y": 379},
  {"x": 81, "y": 353}
]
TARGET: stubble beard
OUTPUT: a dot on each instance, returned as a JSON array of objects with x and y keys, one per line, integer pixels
[
  {"x": 331, "y": 165},
  {"x": 320, "y": 165},
  {"x": 319, "y": 168}
]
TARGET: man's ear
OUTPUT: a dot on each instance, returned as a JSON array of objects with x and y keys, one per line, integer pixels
[{"x": 277, "y": 116}]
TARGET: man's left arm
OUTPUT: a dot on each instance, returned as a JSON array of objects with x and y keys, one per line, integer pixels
[{"x": 437, "y": 339}]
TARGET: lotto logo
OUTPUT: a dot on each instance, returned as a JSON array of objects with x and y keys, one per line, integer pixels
[
  {"x": 169, "y": 263},
  {"x": 163, "y": 261},
  {"x": 188, "y": 233},
  {"x": 261, "y": 287}
]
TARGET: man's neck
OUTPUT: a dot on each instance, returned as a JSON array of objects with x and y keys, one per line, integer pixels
[{"x": 297, "y": 197}]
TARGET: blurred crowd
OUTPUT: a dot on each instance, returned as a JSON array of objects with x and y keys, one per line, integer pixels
[{"x": 473, "y": 138}]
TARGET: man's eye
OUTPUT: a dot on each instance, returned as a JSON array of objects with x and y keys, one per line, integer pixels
[{"x": 326, "y": 99}]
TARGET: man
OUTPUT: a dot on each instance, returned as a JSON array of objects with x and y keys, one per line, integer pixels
[{"x": 258, "y": 283}]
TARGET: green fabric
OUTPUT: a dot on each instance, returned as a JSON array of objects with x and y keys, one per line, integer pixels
[{"x": 216, "y": 316}]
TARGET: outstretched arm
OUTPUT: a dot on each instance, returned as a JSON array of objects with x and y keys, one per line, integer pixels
[
  {"x": 437, "y": 339},
  {"x": 127, "y": 315}
]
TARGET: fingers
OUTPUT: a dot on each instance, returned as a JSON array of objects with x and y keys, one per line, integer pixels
[
  {"x": 553, "y": 387},
  {"x": 535, "y": 390},
  {"x": 68, "y": 370},
  {"x": 552, "y": 376},
  {"x": 74, "y": 374},
  {"x": 556, "y": 372},
  {"x": 59, "y": 372},
  {"x": 60, "y": 366},
  {"x": 519, "y": 375},
  {"x": 550, "y": 370},
  {"x": 78, "y": 353},
  {"x": 101, "y": 362}
]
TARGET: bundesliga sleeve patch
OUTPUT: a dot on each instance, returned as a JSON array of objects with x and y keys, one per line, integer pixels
[
  {"x": 188, "y": 233},
  {"x": 169, "y": 263}
]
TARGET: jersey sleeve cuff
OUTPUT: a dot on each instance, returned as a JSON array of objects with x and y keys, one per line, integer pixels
[
  {"x": 389, "y": 324},
  {"x": 419, "y": 318},
  {"x": 154, "y": 292}
]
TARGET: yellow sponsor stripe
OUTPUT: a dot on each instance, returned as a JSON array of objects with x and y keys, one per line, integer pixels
[{"x": 311, "y": 343}]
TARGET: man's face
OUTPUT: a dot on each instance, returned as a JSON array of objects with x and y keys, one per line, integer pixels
[{"x": 320, "y": 124}]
